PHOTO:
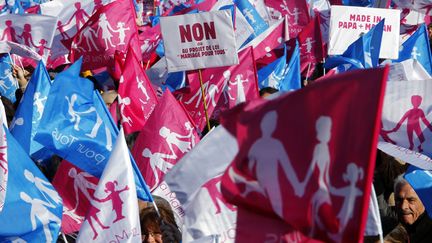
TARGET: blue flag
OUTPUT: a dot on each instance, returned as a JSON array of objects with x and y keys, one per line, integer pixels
[
  {"x": 13, "y": 6},
  {"x": 77, "y": 126},
  {"x": 8, "y": 84},
  {"x": 175, "y": 80},
  {"x": 252, "y": 17},
  {"x": 33, "y": 208},
  {"x": 280, "y": 74},
  {"x": 358, "y": 3},
  {"x": 364, "y": 51},
  {"x": 29, "y": 113},
  {"x": 421, "y": 182},
  {"x": 417, "y": 47}
]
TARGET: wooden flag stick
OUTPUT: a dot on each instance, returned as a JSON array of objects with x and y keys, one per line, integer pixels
[
  {"x": 307, "y": 73},
  {"x": 204, "y": 99}
]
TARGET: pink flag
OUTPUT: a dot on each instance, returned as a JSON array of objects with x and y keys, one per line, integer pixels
[
  {"x": 241, "y": 86},
  {"x": 76, "y": 188},
  {"x": 311, "y": 47},
  {"x": 269, "y": 229},
  {"x": 270, "y": 39},
  {"x": 111, "y": 28},
  {"x": 3, "y": 159},
  {"x": 136, "y": 96},
  {"x": 296, "y": 11},
  {"x": 167, "y": 136},
  {"x": 297, "y": 159},
  {"x": 216, "y": 87},
  {"x": 149, "y": 40},
  {"x": 113, "y": 212},
  {"x": 72, "y": 15}
]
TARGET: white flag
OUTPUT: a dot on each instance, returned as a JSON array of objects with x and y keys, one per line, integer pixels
[
  {"x": 195, "y": 179},
  {"x": 33, "y": 30},
  {"x": 409, "y": 69},
  {"x": 113, "y": 215},
  {"x": 373, "y": 225},
  {"x": 406, "y": 130}
]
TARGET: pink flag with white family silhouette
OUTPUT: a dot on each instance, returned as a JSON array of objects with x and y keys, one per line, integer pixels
[
  {"x": 111, "y": 28},
  {"x": 224, "y": 87},
  {"x": 300, "y": 160},
  {"x": 296, "y": 11},
  {"x": 149, "y": 40},
  {"x": 76, "y": 188},
  {"x": 311, "y": 47},
  {"x": 241, "y": 84},
  {"x": 33, "y": 30},
  {"x": 73, "y": 15},
  {"x": 406, "y": 129},
  {"x": 270, "y": 39},
  {"x": 167, "y": 136},
  {"x": 3, "y": 160},
  {"x": 136, "y": 96},
  {"x": 113, "y": 212}
]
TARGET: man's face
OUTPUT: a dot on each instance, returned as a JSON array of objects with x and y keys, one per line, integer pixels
[{"x": 408, "y": 204}]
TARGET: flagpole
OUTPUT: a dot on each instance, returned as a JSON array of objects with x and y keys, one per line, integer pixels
[
  {"x": 307, "y": 74},
  {"x": 204, "y": 99},
  {"x": 64, "y": 237},
  {"x": 10, "y": 57},
  {"x": 324, "y": 71}
]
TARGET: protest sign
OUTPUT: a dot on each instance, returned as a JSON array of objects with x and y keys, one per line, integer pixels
[
  {"x": 348, "y": 23},
  {"x": 195, "y": 41}
]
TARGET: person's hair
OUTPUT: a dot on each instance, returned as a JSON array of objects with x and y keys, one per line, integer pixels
[
  {"x": 399, "y": 181},
  {"x": 268, "y": 90},
  {"x": 150, "y": 219}
]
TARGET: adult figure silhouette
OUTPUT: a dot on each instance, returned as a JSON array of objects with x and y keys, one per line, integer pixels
[
  {"x": 267, "y": 155},
  {"x": 413, "y": 117}
]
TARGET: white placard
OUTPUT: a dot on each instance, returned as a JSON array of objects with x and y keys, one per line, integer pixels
[
  {"x": 202, "y": 40},
  {"x": 348, "y": 23}
]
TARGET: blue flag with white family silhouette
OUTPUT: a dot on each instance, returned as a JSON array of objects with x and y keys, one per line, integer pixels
[
  {"x": 29, "y": 113},
  {"x": 280, "y": 74},
  {"x": 417, "y": 47},
  {"x": 252, "y": 17},
  {"x": 421, "y": 182},
  {"x": 363, "y": 53},
  {"x": 33, "y": 208},
  {"x": 77, "y": 126},
  {"x": 8, "y": 84}
]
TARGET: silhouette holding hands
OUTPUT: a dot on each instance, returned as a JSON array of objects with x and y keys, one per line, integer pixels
[{"x": 413, "y": 117}]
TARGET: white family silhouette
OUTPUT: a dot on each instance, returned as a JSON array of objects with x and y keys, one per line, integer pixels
[
  {"x": 40, "y": 209},
  {"x": 76, "y": 119},
  {"x": 164, "y": 162},
  {"x": 266, "y": 166}
]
